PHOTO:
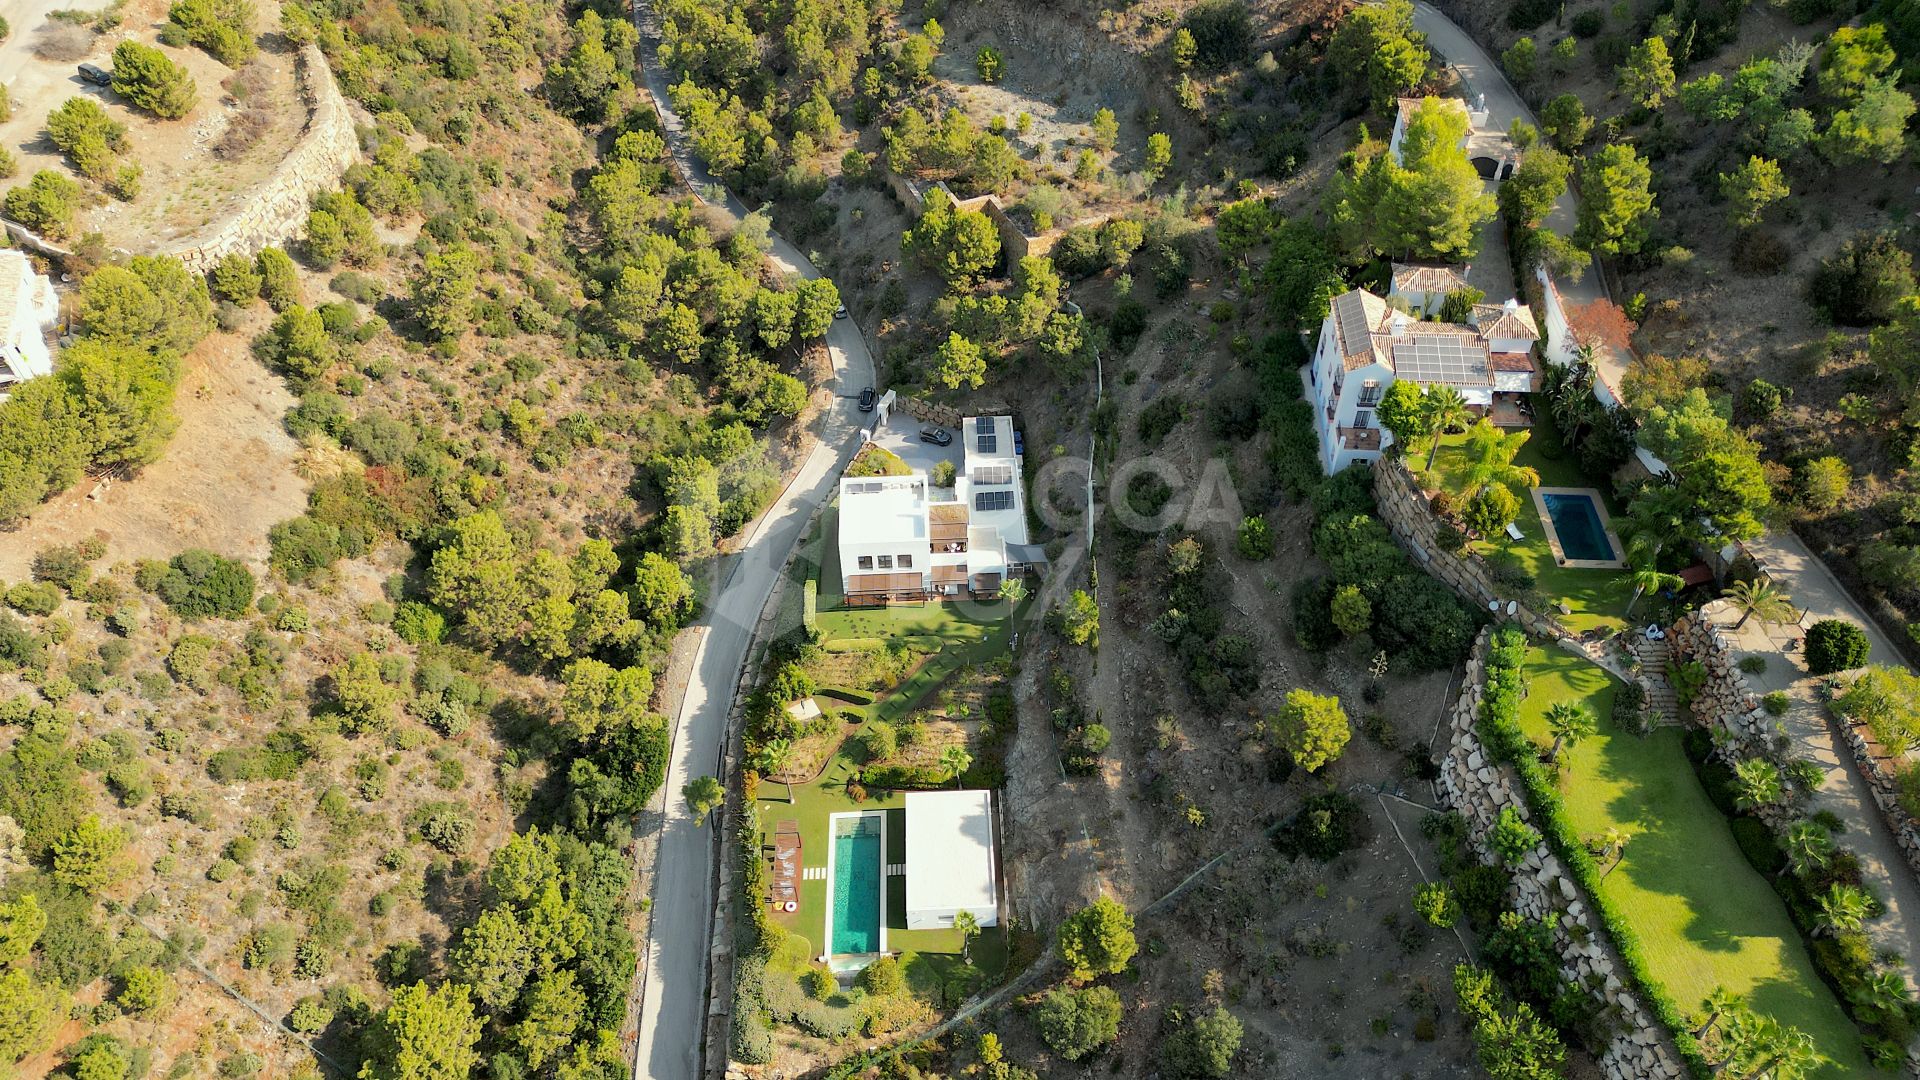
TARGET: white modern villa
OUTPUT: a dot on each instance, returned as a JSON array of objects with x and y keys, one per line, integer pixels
[
  {"x": 902, "y": 538},
  {"x": 28, "y": 309},
  {"x": 1368, "y": 342}
]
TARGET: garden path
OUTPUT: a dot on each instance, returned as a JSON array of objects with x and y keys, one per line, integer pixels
[{"x": 1807, "y": 723}]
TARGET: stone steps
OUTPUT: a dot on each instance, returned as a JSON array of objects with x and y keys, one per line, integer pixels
[{"x": 1654, "y": 657}]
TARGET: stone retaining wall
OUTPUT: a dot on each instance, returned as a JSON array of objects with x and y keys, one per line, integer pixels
[
  {"x": 930, "y": 413},
  {"x": 1729, "y": 705},
  {"x": 277, "y": 211},
  {"x": 1479, "y": 790}
]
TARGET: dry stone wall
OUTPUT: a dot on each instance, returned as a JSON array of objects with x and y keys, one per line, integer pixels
[
  {"x": 1479, "y": 790},
  {"x": 277, "y": 211},
  {"x": 1727, "y": 704}
]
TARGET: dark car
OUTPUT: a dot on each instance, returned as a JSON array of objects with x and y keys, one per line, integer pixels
[
  {"x": 936, "y": 436},
  {"x": 866, "y": 400},
  {"x": 95, "y": 75}
]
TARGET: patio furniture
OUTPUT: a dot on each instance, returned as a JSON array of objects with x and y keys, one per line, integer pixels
[{"x": 1513, "y": 530}]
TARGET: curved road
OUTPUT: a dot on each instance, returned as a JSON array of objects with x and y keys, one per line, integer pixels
[{"x": 673, "y": 1009}]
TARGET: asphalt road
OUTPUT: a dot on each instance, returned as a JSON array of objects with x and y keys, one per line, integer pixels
[{"x": 673, "y": 1012}]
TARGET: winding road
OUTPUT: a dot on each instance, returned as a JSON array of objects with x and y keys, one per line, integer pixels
[{"x": 674, "y": 1006}]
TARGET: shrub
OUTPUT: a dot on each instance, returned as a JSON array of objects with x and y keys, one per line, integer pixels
[
  {"x": 46, "y": 204},
  {"x": 1326, "y": 824},
  {"x": 1862, "y": 283},
  {"x": 1835, "y": 645},
  {"x": 883, "y": 978},
  {"x": 224, "y": 28},
  {"x": 1757, "y": 843},
  {"x": 1097, "y": 940},
  {"x": 1512, "y": 837},
  {"x": 1776, "y": 703},
  {"x": 198, "y": 584},
  {"x": 1201, "y": 1048},
  {"x": 35, "y": 598},
  {"x": 1255, "y": 538},
  {"x": 1435, "y": 903},
  {"x": 1075, "y": 1023}
]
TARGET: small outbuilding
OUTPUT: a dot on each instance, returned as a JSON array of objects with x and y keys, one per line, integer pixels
[{"x": 952, "y": 865}]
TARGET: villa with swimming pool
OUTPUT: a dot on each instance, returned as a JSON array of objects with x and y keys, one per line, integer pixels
[{"x": 950, "y": 865}]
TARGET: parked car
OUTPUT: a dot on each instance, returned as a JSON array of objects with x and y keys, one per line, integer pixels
[
  {"x": 866, "y": 399},
  {"x": 95, "y": 75},
  {"x": 936, "y": 436},
  {"x": 840, "y": 312}
]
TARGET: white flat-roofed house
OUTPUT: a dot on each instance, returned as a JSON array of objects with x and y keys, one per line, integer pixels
[
  {"x": 903, "y": 539},
  {"x": 951, "y": 865},
  {"x": 1366, "y": 346},
  {"x": 28, "y": 309}
]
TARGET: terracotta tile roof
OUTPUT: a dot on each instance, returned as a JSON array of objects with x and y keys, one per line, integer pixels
[
  {"x": 1513, "y": 361},
  {"x": 1495, "y": 321},
  {"x": 883, "y": 583},
  {"x": 1428, "y": 278}
]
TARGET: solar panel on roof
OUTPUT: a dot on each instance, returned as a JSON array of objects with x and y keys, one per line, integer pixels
[
  {"x": 1442, "y": 358},
  {"x": 1352, "y": 320}
]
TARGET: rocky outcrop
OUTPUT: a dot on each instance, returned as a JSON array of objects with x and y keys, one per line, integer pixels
[
  {"x": 277, "y": 211},
  {"x": 1543, "y": 889}
]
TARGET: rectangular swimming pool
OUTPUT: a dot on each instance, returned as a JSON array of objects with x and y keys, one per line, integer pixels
[
  {"x": 857, "y": 884},
  {"x": 1576, "y": 520}
]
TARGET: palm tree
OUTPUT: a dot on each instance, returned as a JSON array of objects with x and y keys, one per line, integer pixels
[
  {"x": 1490, "y": 454},
  {"x": 1013, "y": 590},
  {"x": 1782, "y": 1053},
  {"x": 1613, "y": 843},
  {"x": 1762, "y": 598},
  {"x": 1718, "y": 1003},
  {"x": 1645, "y": 573},
  {"x": 1843, "y": 909},
  {"x": 773, "y": 757},
  {"x": 969, "y": 928},
  {"x": 1885, "y": 991},
  {"x": 1569, "y": 724},
  {"x": 955, "y": 760},
  {"x": 1809, "y": 848},
  {"x": 1447, "y": 410},
  {"x": 1757, "y": 784}
]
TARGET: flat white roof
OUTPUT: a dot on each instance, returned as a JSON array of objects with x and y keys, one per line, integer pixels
[
  {"x": 950, "y": 851},
  {"x": 883, "y": 509}
]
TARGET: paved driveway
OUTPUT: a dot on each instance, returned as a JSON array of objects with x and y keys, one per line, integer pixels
[
  {"x": 901, "y": 434},
  {"x": 673, "y": 1012}
]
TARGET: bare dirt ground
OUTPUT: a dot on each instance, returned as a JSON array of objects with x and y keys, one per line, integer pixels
[
  {"x": 184, "y": 186},
  {"x": 1326, "y": 965},
  {"x": 226, "y": 477}
]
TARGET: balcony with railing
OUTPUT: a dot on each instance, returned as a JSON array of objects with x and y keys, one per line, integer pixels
[{"x": 1360, "y": 438}]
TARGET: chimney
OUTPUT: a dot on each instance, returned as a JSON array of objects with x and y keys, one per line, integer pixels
[
  {"x": 1512, "y": 305},
  {"x": 1399, "y": 323}
]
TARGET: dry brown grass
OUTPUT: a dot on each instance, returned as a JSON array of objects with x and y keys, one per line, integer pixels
[
  {"x": 247, "y": 127},
  {"x": 62, "y": 42}
]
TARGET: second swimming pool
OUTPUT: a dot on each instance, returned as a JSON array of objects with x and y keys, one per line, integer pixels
[
  {"x": 857, "y": 882},
  {"x": 1576, "y": 519}
]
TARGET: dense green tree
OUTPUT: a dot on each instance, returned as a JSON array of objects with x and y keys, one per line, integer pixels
[
  {"x": 45, "y": 204},
  {"x": 151, "y": 82},
  {"x": 21, "y": 922},
  {"x": 224, "y": 28},
  {"x": 1079, "y": 619},
  {"x": 593, "y": 76},
  {"x": 1565, "y": 121},
  {"x": 1097, "y": 940},
  {"x": 1872, "y": 128},
  {"x": 475, "y": 571},
  {"x": 364, "y": 699},
  {"x": 1203, "y": 1047},
  {"x": 1855, "y": 58},
  {"x": 493, "y": 958},
  {"x": 1312, "y": 728},
  {"x": 555, "y": 1012},
  {"x": 1616, "y": 201},
  {"x": 959, "y": 362},
  {"x": 1429, "y": 204},
  {"x": 959, "y": 245},
  {"x": 91, "y": 856},
  {"x": 600, "y": 699},
  {"x": 279, "y": 278},
  {"x": 122, "y": 397},
  {"x": 815, "y": 301},
  {"x": 29, "y": 1015},
  {"x": 298, "y": 343},
  {"x": 443, "y": 291},
  {"x": 1647, "y": 75},
  {"x": 1106, "y": 129},
  {"x": 152, "y": 301},
  {"x": 703, "y": 794},
  {"x": 1075, "y": 1023},
  {"x": 423, "y": 1034},
  {"x": 1752, "y": 187},
  {"x": 1379, "y": 40},
  {"x": 1527, "y": 197}
]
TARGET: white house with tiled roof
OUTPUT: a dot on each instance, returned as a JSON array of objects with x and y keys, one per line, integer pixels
[
  {"x": 28, "y": 309},
  {"x": 902, "y": 538},
  {"x": 1367, "y": 344}
]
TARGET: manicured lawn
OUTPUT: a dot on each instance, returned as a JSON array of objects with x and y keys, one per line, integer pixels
[
  {"x": 968, "y": 634},
  {"x": 1704, "y": 916},
  {"x": 1598, "y": 597}
]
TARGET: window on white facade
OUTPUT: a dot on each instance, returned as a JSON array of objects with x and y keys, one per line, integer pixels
[
  {"x": 866, "y": 562},
  {"x": 906, "y": 562},
  {"x": 1363, "y": 419},
  {"x": 886, "y": 562},
  {"x": 1369, "y": 393}
]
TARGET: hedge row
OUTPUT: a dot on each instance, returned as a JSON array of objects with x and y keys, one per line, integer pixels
[
  {"x": 1499, "y": 729},
  {"x": 848, "y": 693}
]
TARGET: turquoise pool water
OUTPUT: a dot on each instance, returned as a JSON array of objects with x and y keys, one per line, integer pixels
[
  {"x": 856, "y": 887},
  {"x": 1577, "y": 520}
]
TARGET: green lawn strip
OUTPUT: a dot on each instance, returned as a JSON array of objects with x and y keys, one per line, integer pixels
[
  {"x": 1685, "y": 909},
  {"x": 1598, "y": 597}
]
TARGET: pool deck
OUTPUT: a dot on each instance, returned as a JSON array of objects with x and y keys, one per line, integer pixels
[
  {"x": 840, "y": 963},
  {"x": 1553, "y": 533}
]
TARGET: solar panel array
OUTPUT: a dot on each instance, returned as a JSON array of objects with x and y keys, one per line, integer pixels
[
  {"x": 993, "y": 474},
  {"x": 1350, "y": 314},
  {"x": 993, "y": 500},
  {"x": 1452, "y": 359}
]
